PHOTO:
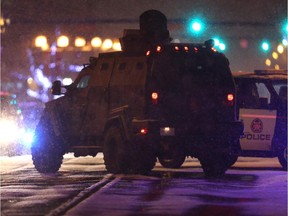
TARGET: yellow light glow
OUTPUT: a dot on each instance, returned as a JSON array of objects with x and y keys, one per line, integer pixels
[
  {"x": 280, "y": 48},
  {"x": 96, "y": 42},
  {"x": 277, "y": 67},
  {"x": 62, "y": 41},
  {"x": 167, "y": 129},
  {"x": 80, "y": 42},
  {"x": 107, "y": 44},
  {"x": 268, "y": 62},
  {"x": 275, "y": 55},
  {"x": 117, "y": 46},
  {"x": 2, "y": 21},
  {"x": 41, "y": 41},
  {"x": 29, "y": 81}
]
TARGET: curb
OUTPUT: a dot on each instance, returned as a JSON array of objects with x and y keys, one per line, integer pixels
[{"x": 81, "y": 196}]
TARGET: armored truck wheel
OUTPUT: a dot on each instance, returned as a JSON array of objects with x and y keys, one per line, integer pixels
[
  {"x": 144, "y": 158},
  {"x": 172, "y": 158},
  {"x": 121, "y": 156},
  {"x": 231, "y": 160},
  {"x": 47, "y": 153},
  {"x": 116, "y": 152},
  {"x": 172, "y": 162},
  {"x": 282, "y": 157},
  {"x": 213, "y": 165}
]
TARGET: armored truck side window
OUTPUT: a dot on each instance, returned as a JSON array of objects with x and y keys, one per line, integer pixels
[
  {"x": 122, "y": 66},
  {"x": 139, "y": 65},
  {"x": 83, "y": 83},
  {"x": 104, "y": 67}
]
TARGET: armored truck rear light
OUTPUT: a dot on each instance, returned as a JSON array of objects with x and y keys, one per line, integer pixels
[
  {"x": 154, "y": 97},
  {"x": 230, "y": 97},
  {"x": 143, "y": 131},
  {"x": 158, "y": 49}
]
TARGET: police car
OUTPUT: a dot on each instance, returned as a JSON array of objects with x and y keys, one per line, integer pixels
[
  {"x": 262, "y": 106},
  {"x": 13, "y": 135}
]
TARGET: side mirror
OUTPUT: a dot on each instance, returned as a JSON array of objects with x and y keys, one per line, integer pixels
[{"x": 56, "y": 87}]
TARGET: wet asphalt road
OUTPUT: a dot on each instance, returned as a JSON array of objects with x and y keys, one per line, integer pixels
[{"x": 254, "y": 186}]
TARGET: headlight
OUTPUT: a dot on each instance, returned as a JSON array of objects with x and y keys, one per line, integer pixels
[
  {"x": 27, "y": 138},
  {"x": 9, "y": 131}
]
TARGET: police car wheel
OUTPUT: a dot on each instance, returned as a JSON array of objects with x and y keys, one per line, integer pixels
[{"x": 282, "y": 157}]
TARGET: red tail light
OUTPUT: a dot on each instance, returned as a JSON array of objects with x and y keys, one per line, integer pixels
[
  {"x": 143, "y": 131},
  {"x": 158, "y": 49},
  {"x": 230, "y": 97},
  {"x": 229, "y": 101},
  {"x": 154, "y": 97}
]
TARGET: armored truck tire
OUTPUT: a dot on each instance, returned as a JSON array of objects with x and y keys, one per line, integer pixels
[
  {"x": 282, "y": 157},
  {"x": 47, "y": 152},
  {"x": 116, "y": 153},
  {"x": 231, "y": 160},
  {"x": 171, "y": 162},
  {"x": 172, "y": 158},
  {"x": 214, "y": 164},
  {"x": 120, "y": 156}
]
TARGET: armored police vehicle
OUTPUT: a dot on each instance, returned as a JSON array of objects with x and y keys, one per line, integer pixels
[
  {"x": 262, "y": 106},
  {"x": 154, "y": 99}
]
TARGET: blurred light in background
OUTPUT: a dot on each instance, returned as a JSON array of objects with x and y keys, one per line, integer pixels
[
  {"x": 116, "y": 45},
  {"x": 96, "y": 42},
  {"x": 275, "y": 55},
  {"x": 280, "y": 49},
  {"x": 62, "y": 41},
  {"x": 107, "y": 44},
  {"x": 67, "y": 81},
  {"x": 41, "y": 41},
  {"x": 219, "y": 44},
  {"x": 265, "y": 46},
  {"x": 80, "y": 42},
  {"x": 196, "y": 26}
]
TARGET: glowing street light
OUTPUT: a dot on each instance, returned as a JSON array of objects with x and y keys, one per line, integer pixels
[
  {"x": 107, "y": 44},
  {"x": 62, "y": 41},
  {"x": 80, "y": 42},
  {"x": 96, "y": 42},
  {"x": 41, "y": 41}
]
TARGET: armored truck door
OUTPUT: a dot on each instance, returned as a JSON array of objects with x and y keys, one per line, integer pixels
[
  {"x": 98, "y": 98},
  {"x": 74, "y": 104}
]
